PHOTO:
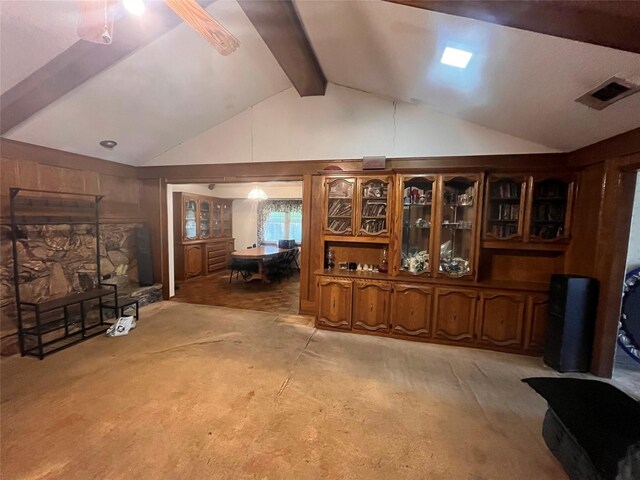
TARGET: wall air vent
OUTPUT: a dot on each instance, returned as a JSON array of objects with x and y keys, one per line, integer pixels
[{"x": 608, "y": 92}]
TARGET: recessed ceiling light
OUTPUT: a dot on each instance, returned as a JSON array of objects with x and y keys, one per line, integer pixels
[
  {"x": 456, "y": 57},
  {"x": 134, "y": 6},
  {"x": 108, "y": 144}
]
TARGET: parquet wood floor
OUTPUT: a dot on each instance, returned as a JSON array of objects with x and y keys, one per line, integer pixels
[{"x": 283, "y": 297}]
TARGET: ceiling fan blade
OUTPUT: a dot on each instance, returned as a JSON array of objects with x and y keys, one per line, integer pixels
[{"x": 205, "y": 25}]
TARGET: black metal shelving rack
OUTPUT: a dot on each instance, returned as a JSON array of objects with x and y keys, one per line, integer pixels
[{"x": 66, "y": 315}]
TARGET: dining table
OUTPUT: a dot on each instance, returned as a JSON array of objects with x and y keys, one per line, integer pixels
[{"x": 260, "y": 255}]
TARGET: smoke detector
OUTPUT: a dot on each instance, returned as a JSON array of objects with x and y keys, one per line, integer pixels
[{"x": 608, "y": 92}]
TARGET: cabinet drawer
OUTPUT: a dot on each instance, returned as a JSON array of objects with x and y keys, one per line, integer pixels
[
  {"x": 219, "y": 258},
  {"x": 219, "y": 254},
  {"x": 216, "y": 248},
  {"x": 213, "y": 267}
]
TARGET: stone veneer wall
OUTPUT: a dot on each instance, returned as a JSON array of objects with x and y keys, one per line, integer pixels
[{"x": 59, "y": 259}]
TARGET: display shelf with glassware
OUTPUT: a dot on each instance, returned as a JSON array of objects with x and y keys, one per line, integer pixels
[
  {"x": 458, "y": 200},
  {"x": 504, "y": 213},
  {"x": 202, "y": 234},
  {"x": 190, "y": 218},
  {"x": 417, "y": 208},
  {"x": 205, "y": 219}
]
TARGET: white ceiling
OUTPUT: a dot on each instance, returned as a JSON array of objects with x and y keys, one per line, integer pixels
[
  {"x": 274, "y": 190},
  {"x": 168, "y": 91},
  {"x": 31, "y": 34},
  {"x": 520, "y": 83}
]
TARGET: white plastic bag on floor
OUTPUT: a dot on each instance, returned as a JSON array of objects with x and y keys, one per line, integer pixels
[{"x": 121, "y": 327}]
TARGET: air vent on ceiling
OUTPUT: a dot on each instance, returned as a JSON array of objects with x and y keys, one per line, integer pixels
[{"x": 608, "y": 92}]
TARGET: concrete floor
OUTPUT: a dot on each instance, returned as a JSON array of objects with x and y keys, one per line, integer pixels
[{"x": 201, "y": 392}]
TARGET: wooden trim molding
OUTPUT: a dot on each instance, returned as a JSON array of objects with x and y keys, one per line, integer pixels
[
  {"x": 278, "y": 24},
  {"x": 20, "y": 151},
  {"x": 625, "y": 144},
  {"x": 613, "y": 24},
  {"x": 294, "y": 170}
]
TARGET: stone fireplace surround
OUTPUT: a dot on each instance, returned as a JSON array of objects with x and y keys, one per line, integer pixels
[{"x": 56, "y": 260}]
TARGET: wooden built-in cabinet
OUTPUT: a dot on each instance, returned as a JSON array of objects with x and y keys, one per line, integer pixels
[
  {"x": 536, "y": 326},
  {"x": 202, "y": 234},
  {"x": 468, "y": 261},
  {"x": 504, "y": 320},
  {"x": 454, "y": 314},
  {"x": 521, "y": 210},
  {"x": 371, "y": 306},
  {"x": 358, "y": 207},
  {"x": 411, "y": 310},
  {"x": 437, "y": 225},
  {"x": 334, "y": 303},
  {"x": 193, "y": 260},
  {"x": 501, "y": 319}
]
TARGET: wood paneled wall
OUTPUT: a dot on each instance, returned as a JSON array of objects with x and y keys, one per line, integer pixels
[
  {"x": 600, "y": 226},
  {"x": 31, "y": 166}
]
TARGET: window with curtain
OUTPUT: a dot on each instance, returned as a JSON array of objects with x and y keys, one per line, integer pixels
[{"x": 280, "y": 220}]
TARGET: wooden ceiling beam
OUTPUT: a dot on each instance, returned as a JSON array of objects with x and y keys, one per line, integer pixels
[
  {"x": 608, "y": 23},
  {"x": 278, "y": 24},
  {"x": 82, "y": 61}
]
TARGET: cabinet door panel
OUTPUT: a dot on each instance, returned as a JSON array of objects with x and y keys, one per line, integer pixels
[
  {"x": 457, "y": 225},
  {"x": 455, "y": 314},
  {"x": 193, "y": 260},
  {"x": 339, "y": 207},
  {"x": 334, "y": 305},
  {"x": 411, "y": 310},
  {"x": 538, "y": 311},
  {"x": 371, "y": 302},
  {"x": 501, "y": 319},
  {"x": 374, "y": 208},
  {"x": 549, "y": 210},
  {"x": 504, "y": 207}
]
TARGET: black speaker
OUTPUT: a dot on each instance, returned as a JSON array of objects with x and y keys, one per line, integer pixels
[
  {"x": 145, "y": 264},
  {"x": 573, "y": 303}
]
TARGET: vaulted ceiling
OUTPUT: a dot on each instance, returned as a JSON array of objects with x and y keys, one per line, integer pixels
[{"x": 177, "y": 86}]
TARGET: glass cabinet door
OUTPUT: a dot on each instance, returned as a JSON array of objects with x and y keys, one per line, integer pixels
[
  {"x": 417, "y": 214},
  {"x": 374, "y": 206},
  {"x": 216, "y": 219},
  {"x": 190, "y": 218},
  {"x": 226, "y": 219},
  {"x": 505, "y": 208},
  {"x": 549, "y": 209},
  {"x": 340, "y": 206},
  {"x": 205, "y": 219},
  {"x": 457, "y": 225}
]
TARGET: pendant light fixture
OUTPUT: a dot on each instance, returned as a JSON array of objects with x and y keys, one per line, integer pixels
[{"x": 256, "y": 193}]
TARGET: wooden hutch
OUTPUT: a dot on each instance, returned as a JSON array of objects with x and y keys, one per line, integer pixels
[
  {"x": 202, "y": 234},
  {"x": 469, "y": 255}
]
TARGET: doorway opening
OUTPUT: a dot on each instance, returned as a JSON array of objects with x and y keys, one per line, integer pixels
[
  {"x": 231, "y": 249},
  {"x": 626, "y": 367}
]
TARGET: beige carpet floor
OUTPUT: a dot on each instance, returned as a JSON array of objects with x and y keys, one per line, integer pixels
[{"x": 201, "y": 392}]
